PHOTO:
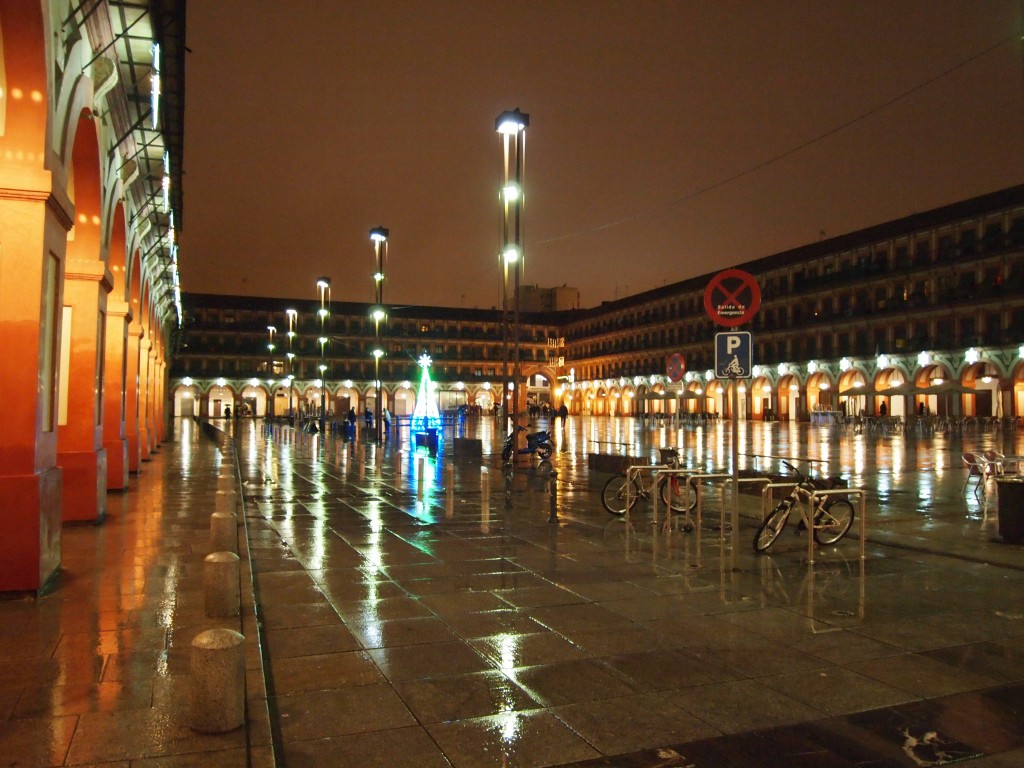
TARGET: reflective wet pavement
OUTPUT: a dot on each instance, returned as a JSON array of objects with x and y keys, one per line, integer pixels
[{"x": 401, "y": 627}]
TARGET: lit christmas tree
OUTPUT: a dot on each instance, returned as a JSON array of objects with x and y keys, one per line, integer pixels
[{"x": 425, "y": 415}]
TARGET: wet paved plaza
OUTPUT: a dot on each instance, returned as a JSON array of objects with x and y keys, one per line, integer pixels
[{"x": 408, "y": 623}]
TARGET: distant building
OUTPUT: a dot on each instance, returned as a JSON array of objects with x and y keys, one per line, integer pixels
[
  {"x": 533, "y": 298},
  {"x": 923, "y": 314}
]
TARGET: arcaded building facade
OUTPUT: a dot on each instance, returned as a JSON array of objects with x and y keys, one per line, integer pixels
[
  {"x": 91, "y": 115},
  {"x": 924, "y": 314}
]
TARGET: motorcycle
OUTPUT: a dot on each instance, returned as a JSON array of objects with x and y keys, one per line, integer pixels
[{"x": 537, "y": 442}]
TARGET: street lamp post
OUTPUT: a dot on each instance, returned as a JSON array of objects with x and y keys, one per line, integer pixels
[
  {"x": 324, "y": 286},
  {"x": 379, "y": 236},
  {"x": 512, "y": 127},
  {"x": 293, "y": 316},
  {"x": 270, "y": 367}
]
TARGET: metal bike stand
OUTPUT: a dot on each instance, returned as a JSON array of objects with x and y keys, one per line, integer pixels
[{"x": 859, "y": 493}]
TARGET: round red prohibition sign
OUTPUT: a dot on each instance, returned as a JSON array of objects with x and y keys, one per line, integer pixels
[
  {"x": 732, "y": 297},
  {"x": 675, "y": 367}
]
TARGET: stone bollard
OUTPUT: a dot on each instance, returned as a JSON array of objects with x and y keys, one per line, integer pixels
[
  {"x": 485, "y": 488},
  {"x": 225, "y": 501},
  {"x": 221, "y": 584},
  {"x": 398, "y": 463},
  {"x": 419, "y": 477},
  {"x": 218, "y": 681},
  {"x": 223, "y": 532}
]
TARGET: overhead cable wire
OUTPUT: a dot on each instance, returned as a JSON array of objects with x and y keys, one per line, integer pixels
[{"x": 787, "y": 153}]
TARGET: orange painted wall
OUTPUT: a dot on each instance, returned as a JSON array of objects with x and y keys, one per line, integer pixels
[{"x": 34, "y": 220}]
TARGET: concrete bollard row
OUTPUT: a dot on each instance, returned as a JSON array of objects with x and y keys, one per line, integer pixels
[
  {"x": 221, "y": 579},
  {"x": 223, "y": 532},
  {"x": 217, "y": 699}
]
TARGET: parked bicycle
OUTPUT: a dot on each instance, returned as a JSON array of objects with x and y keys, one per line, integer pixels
[
  {"x": 678, "y": 494},
  {"x": 832, "y": 515}
]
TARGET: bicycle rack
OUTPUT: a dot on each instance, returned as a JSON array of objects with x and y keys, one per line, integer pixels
[
  {"x": 698, "y": 476},
  {"x": 635, "y": 471},
  {"x": 808, "y": 497}
]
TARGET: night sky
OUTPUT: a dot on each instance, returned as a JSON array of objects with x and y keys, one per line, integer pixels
[{"x": 666, "y": 139}]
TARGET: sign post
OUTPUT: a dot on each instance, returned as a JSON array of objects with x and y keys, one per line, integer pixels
[{"x": 732, "y": 298}]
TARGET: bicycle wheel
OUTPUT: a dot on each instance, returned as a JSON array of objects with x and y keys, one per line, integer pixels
[
  {"x": 772, "y": 527},
  {"x": 613, "y": 496},
  {"x": 832, "y": 523},
  {"x": 678, "y": 494}
]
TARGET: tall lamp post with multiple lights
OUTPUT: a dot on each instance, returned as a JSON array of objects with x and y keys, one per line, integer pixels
[
  {"x": 293, "y": 317},
  {"x": 379, "y": 236},
  {"x": 324, "y": 287},
  {"x": 270, "y": 368},
  {"x": 512, "y": 127}
]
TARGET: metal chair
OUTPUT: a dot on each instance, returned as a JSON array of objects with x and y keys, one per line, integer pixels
[{"x": 977, "y": 467}]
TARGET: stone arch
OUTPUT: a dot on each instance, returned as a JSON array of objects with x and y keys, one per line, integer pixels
[
  {"x": 892, "y": 377},
  {"x": 186, "y": 401},
  {"x": 761, "y": 398},
  {"x": 627, "y": 400},
  {"x": 789, "y": 397},
  {"x": 133, "y": 364},
  {"x": 1017, "y": 390},
  {"x": 254, "y": 399},
  {"x": 116, "y": 353},
  {"x": 483, "y": 398},
  {"x": 984, "y": 399},
  {"x": 83, "y": 340},
  {"x": 929, "y": 377},
  {"x": 220, "y": 397}
]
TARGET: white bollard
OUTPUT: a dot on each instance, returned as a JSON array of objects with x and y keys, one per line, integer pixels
[
  {"x": 218, "y": 681},
  {"x": 223, "y": 532},
  {"x": 221, "y": 584}
]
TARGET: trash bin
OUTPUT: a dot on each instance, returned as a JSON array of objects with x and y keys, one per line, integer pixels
[
  {"x": 427, "y": 439},
  {"x": 1011, "y": 508}
]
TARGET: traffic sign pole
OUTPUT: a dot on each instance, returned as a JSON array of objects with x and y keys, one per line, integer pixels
[
  {"x": 735, "y": 473},
  {"x": 732, "y": 298}
]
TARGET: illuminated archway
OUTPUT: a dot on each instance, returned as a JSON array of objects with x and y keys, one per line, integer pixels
[
  {"x": 761, "y": 399},
  {"x": 852, "y": 387},
  {"x": 789, "y": 398},
  {"x": 930, "y": 379}
]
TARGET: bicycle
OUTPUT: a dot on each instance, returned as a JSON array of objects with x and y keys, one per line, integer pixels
[
  {"x": 832, "y": 515},
  {"x": 677, "y": 496}
]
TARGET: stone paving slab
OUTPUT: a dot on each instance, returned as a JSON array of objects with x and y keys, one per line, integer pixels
[{"x": 389, "y": 625}]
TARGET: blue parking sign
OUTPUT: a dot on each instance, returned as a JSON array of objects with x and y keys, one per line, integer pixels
[{"x": 733, "y": 355}]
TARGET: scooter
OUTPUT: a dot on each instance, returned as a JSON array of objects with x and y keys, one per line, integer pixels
[{"x": 537, "y": 442}]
